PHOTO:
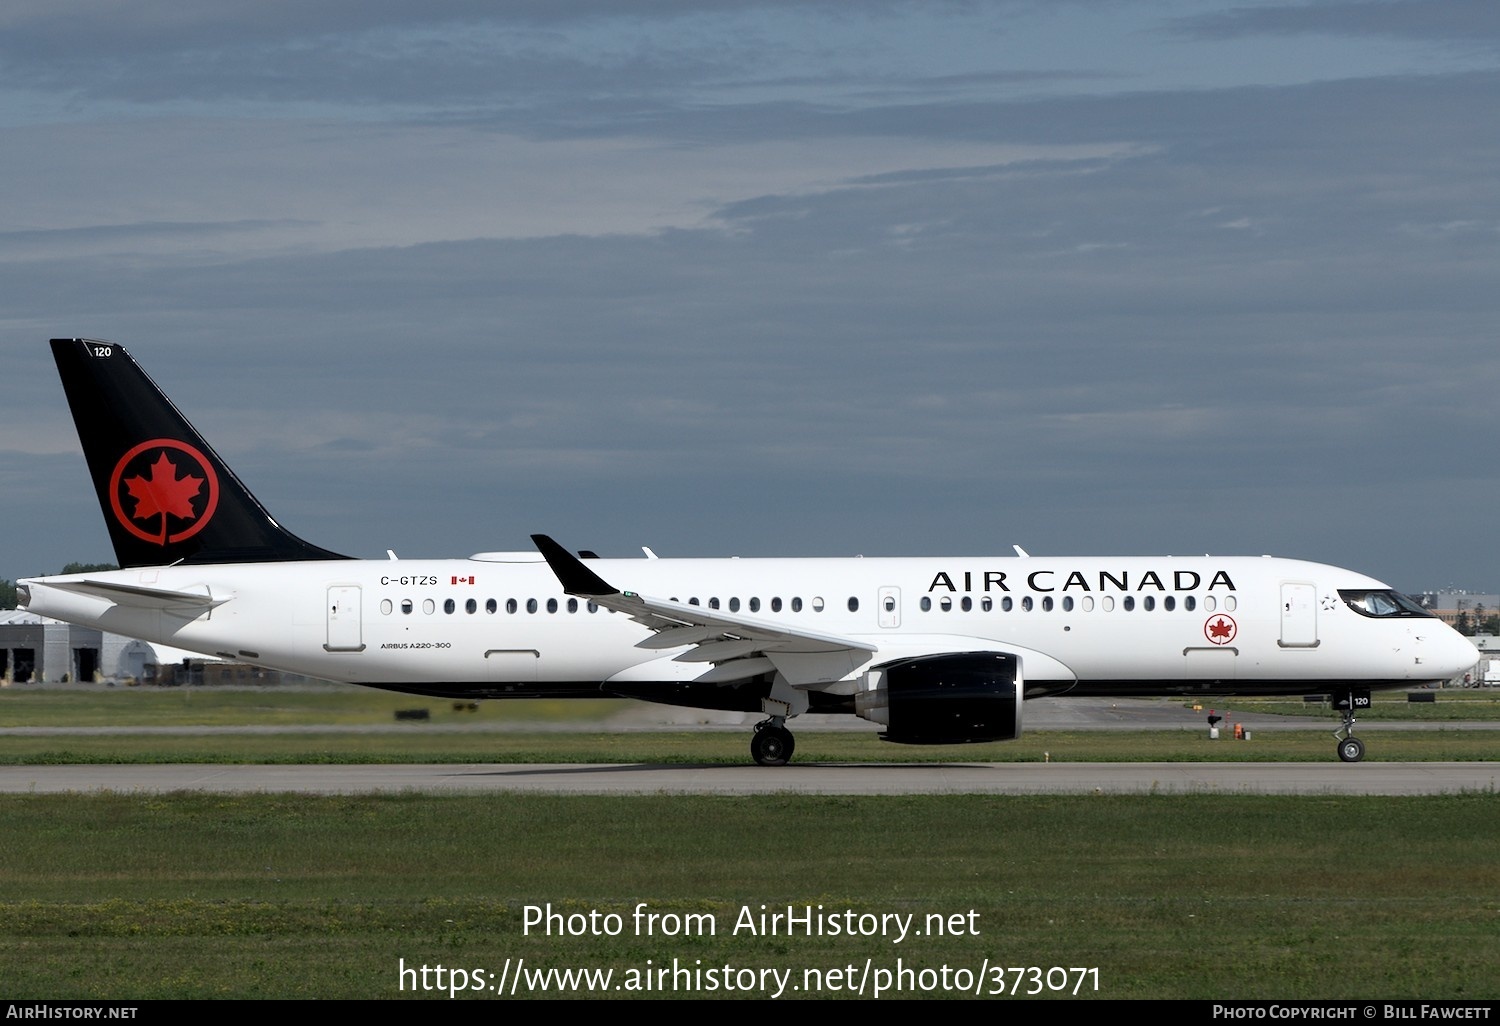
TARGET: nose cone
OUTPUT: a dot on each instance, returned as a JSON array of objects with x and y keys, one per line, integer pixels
[{"x": 1446, "y": 653}]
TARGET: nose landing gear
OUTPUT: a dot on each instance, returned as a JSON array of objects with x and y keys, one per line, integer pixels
[{"x": 1350, "y": 748}]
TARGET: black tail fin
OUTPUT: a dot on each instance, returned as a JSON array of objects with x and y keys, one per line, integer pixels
[{"x": 167, "y": 497}]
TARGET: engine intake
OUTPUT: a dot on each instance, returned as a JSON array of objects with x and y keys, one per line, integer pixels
[{"x": 960, "y": 698}]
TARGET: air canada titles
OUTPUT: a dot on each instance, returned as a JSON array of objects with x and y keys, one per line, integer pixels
[{"x": 1077, "y": 580}]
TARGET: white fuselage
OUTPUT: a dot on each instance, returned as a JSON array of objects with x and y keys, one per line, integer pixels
[{"x": 500, "y": 624}]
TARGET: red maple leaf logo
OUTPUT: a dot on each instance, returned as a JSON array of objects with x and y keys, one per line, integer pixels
[
  {"x": 164, "y": 493},
  {"x": 1219, "y": 629}
]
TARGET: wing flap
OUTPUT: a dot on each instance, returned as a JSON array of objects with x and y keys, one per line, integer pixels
[{"x": 740, "y": 646}]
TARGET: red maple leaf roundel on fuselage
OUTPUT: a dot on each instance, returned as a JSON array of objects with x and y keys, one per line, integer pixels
[
  {"x": 1220, "y": 629},
  {"x": 171, "y": 487}
]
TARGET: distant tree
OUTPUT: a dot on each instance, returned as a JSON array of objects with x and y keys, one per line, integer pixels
[
  {"x": 87, "y": 568},
  {"x": 1464, "y": 624},
  {"x": 1490, "y": 624},
  {"x": 7, "y": 594}
]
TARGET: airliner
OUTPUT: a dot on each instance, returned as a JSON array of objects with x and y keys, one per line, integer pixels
[{"x": 933, "y": 650}]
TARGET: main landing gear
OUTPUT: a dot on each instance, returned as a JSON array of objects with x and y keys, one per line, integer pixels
[
  {"x": 772, "y": 743},
  {"x": 1351, "y": 748}
]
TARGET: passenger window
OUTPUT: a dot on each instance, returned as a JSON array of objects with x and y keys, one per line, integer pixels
[
  {"x": 713, "y": 603},
  {"x": 1088, "y": 603},
  {"x": 510, "y": 605},
  {"x": 1127, "y": 603},
  {"x": 796, "y": 605},
  {"x": 531, "y": 605},
  {"x": 986, "y": 604},
  {"x": 734, "y": 605},
  {"x": 755, "y": 605},
  {"x": 947, "y": 603},
  {"x": 967, "y": 604},
  {"x": 592, "y": 608},
  {"x": 1208, "y": 603},
  {"x": 471, "y": 606},
  {"x": 1107, "y": 603},
  {"x": 1169, "y": 603},
  {"x": 429, "y": 606},
  {"x": 853, "y": 604},
  {"x": 572, "y": 605},
  {"x": 1149, "y": 601},
  {"x": 1229, "y": 603},
  {"x": 1007, "y": 604},
  {"x": 817, "y": 603},
  {"x": 490, "y": 605},
  {"x": 406, "y": 607},
  {"x": 926, "y": 603},
  {"x": 889, "y": 603},
  {"x": 776, "y": 605},
  {"x": 552, "y": 605},
  {"x": 1188, "y": 603},
  {"x": 1026, "y": 603},
  {"x": 386, "y": 607},
  {"x": 1046, "y": 603},
  {"x": 1067, "y": 603}
]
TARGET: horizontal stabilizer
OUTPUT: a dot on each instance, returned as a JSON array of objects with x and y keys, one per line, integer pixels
[{"x": 140, "y": 597}]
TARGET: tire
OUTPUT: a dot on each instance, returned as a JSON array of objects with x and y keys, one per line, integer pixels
[
  {"x": 1351, "y": 749},
  {"x": 772, "y": 746}
]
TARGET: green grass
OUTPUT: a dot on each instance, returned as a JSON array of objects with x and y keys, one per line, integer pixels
[
  {"x": 718, "y": 747},
  {"x": 578, "y": 731},
  {"x": 1198, "y": 896},
  {"x": 1206, "y": 897},
  {"x": 26, "y": 705},
  {"x": 1466, "y": 704}
]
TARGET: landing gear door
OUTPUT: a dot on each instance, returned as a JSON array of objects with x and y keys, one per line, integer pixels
[
  {"x": 1299, "y": 615},
  {"x": 344, "y": 630},
  {"x": 890, "y": 607}
]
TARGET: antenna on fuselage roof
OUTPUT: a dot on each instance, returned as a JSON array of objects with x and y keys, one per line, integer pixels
[
  {"x": 1021, "y": 552},
  {"x": 648, "y": 552}
]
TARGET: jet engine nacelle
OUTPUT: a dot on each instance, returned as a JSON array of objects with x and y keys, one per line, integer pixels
[{"x": 951, "y": 699}]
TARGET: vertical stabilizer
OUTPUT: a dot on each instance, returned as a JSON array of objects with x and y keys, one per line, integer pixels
[{"x": 166, "y": 496}]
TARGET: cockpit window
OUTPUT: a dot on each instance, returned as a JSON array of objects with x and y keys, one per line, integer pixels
[{"x": 1381, "y": 603}]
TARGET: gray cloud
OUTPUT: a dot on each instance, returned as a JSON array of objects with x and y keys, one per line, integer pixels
[
  {"x": 881, "y": 311},
  {"x": 1468, "y": 22}
]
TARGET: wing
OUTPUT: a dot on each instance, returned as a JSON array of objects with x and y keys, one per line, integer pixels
[{"x": 739, "y": 647}]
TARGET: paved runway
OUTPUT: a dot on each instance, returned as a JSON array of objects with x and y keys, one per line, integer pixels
[{"x": 1391, "y": 778}]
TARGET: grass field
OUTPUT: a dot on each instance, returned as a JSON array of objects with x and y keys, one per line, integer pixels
[
  {"x": 1199, "y": 896},
  {"x": 365, "y": 730},
  {"x": 730, "y": 748},
  {"x": 124, "y": 896}
]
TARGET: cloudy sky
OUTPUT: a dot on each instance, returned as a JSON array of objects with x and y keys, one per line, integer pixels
[{"x": 786, "y": 277}]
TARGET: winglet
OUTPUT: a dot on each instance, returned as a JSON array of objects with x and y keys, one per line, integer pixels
[{"x": 576, "y": 578}]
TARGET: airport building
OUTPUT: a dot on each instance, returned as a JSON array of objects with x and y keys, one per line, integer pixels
[
  {"x": 1451, "y": 606},
  {"x": 36, "y": 650}
]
